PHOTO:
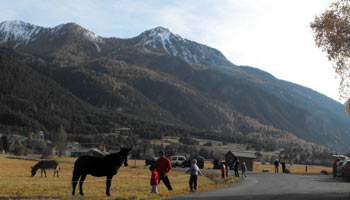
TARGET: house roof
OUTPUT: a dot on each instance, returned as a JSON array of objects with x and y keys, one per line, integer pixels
[
  {"x": 243, "y": 154},
  {"x": 80, "y": 150},
  {"x": 18, "y": 138},
  {"x": 99, "y": 151},
  {"x": 74, "y": 146}
]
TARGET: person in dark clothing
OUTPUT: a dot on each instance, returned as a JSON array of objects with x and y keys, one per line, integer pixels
[
  {"x": 276, "y": 166},
  {"x": 244, "y": 168},
  {"x": 283, "y": 167},
  {"x": 163, "y": 167},
  {"x": 235, "y": 167}
]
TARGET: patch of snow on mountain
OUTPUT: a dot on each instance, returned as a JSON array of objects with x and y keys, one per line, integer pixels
[
  {"x": 98, "y": 48},
  {"x": 149, "y": 43},
  {"x": 95, "y": 39},
  {"x": 174, "y": 51},
  {"x": 195, "y": 59},
  {"x": 202, "y": 51},
  {"x": 163, "y": 35},
  {"x": 91, "y": 35},
  {"x": 56, "y": 29},
  {"x": 185, "y": 55}
]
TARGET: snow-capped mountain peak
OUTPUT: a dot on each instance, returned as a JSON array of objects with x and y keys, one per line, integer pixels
[
  {"x": 18, "y": 31},
  {"x": 160, "y": 36},
  {"x": 162, "y": 33},
  {"x": 161, "y": 40},
  {"x": 159, "y": 30}
]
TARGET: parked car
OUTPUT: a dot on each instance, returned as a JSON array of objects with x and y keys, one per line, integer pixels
[
  {"x": 200, "y": 162},
  {"x": 150, "y": 161},
  {"x": 177, "y": 160}
]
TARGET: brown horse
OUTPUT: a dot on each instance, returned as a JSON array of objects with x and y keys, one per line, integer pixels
[
  {"x": 46, "y": 164},
  {"x": 99, "y": 166}
]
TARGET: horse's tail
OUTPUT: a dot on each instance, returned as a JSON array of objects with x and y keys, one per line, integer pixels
[
  {"x": 76, "y": 172},
  {"x": 76, "y": 175}
]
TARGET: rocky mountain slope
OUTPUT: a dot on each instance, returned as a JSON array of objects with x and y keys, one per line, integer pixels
[{"x": 161, "y": 77}]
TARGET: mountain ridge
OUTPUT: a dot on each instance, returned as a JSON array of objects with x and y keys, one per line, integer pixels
[
  {"x": 172, "y": 44},
  {"x": 204, "y": 90}
]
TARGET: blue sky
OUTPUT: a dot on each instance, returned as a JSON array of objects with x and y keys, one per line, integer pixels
[{"x": 272, "y": 35}]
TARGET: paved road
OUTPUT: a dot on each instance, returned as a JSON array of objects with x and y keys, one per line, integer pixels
[{"x": 268, "y": 186}]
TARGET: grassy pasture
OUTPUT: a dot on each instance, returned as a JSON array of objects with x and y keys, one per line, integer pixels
[
  {"x": 140, "y": 163},
  {"x": 258, "y": 167},
  {"x": 295, "y": 168},
  {"x": 129, "y": 183}
]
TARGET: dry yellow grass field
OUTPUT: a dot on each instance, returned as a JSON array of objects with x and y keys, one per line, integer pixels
[
  {"x": 140, "y": 163},
  {"x": 129, "y": 183},
  {"x": 258, "y": 167},
  {"x": 295, "y": 168}
]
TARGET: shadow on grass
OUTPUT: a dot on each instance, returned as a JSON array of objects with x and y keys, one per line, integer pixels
[{"x": 219, "y": 180}]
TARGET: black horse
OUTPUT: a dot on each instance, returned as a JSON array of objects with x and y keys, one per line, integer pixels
[{"x": 98, "y": 166}]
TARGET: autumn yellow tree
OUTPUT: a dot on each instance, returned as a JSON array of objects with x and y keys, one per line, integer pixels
[
  {"x": 60, "y": 139},
  {"x": 332, "y": 34}
]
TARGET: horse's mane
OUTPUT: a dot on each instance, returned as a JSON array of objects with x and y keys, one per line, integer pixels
[
  {"x": 36, "y": 165},
  {"x": 117, "y": 154},
  {"x": 118, "y": 157},
  {"x": 121, "y": 151}
]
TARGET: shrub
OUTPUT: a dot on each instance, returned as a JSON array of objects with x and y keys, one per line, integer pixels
[{"x": 20, "y": 150}]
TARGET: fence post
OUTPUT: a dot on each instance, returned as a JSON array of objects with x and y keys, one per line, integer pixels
[
  {"x": 138, "y": 182},
  {"x": 134, "y": 159}
]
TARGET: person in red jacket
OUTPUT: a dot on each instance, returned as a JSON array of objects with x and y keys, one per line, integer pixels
[
  {"x": 154, "y": 179},
  {"x": 163, "y": 167},
  {"x": 223, "y": 170}
]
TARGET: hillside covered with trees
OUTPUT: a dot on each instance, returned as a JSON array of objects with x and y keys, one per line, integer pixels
[{"x": 93, "y": 85}]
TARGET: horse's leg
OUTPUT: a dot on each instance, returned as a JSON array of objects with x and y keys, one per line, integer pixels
[
  {"x": 108, "y": 184},
  {"x": 81, "y": 181},
  {"x": 75, "y": 179},
  {"x": 45, "y": 172},
  {"x": 41, "y": 170}
]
